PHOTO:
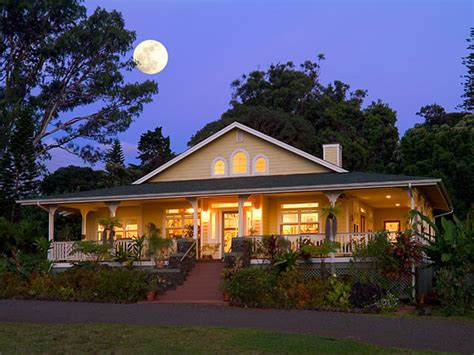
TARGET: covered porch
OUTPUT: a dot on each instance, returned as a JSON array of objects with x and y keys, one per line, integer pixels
[{"x": 213, "y": 221}]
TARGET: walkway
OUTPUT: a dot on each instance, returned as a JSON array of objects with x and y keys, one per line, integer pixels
[{"x": 405, "y": 332}]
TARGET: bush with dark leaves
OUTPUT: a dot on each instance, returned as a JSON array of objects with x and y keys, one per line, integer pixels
[{"x": 365, "y": 294}]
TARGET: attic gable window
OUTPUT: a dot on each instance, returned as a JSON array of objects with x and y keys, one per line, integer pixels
[
  {"x": 219, "y": 167},
  {"x": 239, "y": 163},
  {"x": 260, "y": 165}
]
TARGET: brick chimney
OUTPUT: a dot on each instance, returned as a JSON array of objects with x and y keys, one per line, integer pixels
[{"x": 333, "y": 153}]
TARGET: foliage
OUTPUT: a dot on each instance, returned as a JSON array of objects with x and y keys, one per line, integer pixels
[
  {"x": 158, "y": 246},
  {"x": 289, "y": 103},
  {"x": 442, "y": 147},
  {"x": 321, "y": 250},
  {"x": 124, "y": 256},
  {"x": 109, "y": 224},
  {"x": 290, "y": 290},
  {"x": 364, "y": 294},
  {"x": 154, "y": 150},
  {"x": 317, "y": 288},
  {"x": 455, "y": 291},
  {"x": 250, "y": 286},
  {"x": 407, "y": 251},
  {"x": 93, "y": 250},
  {"x": 286, "y": 261},
  {"x": 387, "y": 304},
  {"x": 468, "y": 61},
  {"x": 69, "y": 59},
  {"x": 338, "y": 295},
  {"x": 452, "y": 251},
  {"x": 272, "y": 246},
  {"x": 117, "y": 173}
]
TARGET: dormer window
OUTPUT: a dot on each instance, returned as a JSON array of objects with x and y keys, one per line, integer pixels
[
  {"x": 219, "y": 167},
  {"x": 239, "y": 163},
  {"x": 260, "y": 165}
]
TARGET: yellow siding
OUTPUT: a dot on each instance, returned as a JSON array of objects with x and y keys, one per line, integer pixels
[
  {"x": 331, "y": 155},
  {"x": 198, "y": 164},
  {"x": 391, "y": 214}
]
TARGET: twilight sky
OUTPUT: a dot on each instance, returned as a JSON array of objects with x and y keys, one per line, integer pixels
[{"x": 406, "y": 52}]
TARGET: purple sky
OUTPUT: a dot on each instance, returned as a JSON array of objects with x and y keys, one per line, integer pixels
[{"x": 407, "y": 53}]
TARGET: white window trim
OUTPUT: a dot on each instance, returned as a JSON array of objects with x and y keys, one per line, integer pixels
[
  {"x": 254, "y": 161},
  {"x": 231, "y": 164},
  {"x": 123, "y": 222},
  {"x": 299, "y": 211},
  {"x": 225, "y": 167}
]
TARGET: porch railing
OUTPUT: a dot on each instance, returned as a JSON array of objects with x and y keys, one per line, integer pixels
[
  {"x": 62, "y": 251},
  {"x": 346, "y": 241}
]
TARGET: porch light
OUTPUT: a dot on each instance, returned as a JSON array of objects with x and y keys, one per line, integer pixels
[
  {"x": 257, "y": 214},
  {"x": 362, "y": 210},
  {"x": 397, "y": 204},
  {"x": 388, "y": 196}
]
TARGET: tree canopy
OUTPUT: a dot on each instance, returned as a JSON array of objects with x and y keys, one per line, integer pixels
[
  {"x": 290, "y": 103},
  {"x": 154, "y": 150},
  {"x": 468, "y": 96}
]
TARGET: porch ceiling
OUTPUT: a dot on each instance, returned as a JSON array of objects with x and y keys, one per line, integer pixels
[{"x": 382, "y": 198}]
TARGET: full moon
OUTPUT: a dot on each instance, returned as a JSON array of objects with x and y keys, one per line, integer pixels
[{"x": 150, "y": 56}]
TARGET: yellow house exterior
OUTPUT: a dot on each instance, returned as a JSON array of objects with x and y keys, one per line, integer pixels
[{"x": 242, "y": 183}]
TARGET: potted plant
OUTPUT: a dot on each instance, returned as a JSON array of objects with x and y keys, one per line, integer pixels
[
  {"x": 151, "y": 293},
  {"x": 158, "y": 246}
]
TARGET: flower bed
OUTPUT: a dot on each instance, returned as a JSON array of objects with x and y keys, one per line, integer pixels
[{"x": 271, "y": 288}]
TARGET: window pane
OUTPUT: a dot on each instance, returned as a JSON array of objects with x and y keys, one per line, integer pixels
[
  {"x": 290, "y": 218},
  {"x": 289, "y": 229},
  {"x": 307, "y": 217},
  {"x": 174, "y": 233},
  {"x": 173, "y": 222},
  {"x": 219, "y": 167},
  {"x": 309, "y": 228},
  {"x": 300, "y": 205},
  {"x": 239, "y": 163},
  {"x": 261, "y": 165}
]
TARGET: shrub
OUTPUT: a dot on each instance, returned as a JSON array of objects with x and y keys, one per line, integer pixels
[
  {"x": 364, "y": 294},
  {"x": 338, "y": 295},
  {"x": 250, "y": 286},
  {"x": 290, "y": 290},
  {"x": 454, "y": 291},
  {"x": 13, "y": 285},
  {"x": 41, "y": 286},
  {"x": 286, "y": 261},
  {"x": 317, "y": 289},
  {"x": 388, "y": 303}
]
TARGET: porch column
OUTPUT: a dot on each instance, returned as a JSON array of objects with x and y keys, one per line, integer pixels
[
  {"x": 112, "y": 207},
  {"x": 52, "y": 211},
  {"x": 84, "y": 212},
  {"x": 332, "y": 197},
  {"x": 242, "y": 199},
  {"x": 411, "y": 194},
  {"x": 194, "y": 204}
]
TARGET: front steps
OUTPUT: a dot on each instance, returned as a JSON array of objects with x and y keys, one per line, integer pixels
[{"x": 201, "y": 285}]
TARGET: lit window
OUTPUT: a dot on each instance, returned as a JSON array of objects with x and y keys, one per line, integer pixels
[
  {"x": 299, "y": 205},
  {"x": 261, "y": 165},
  {"x": 178, "y": 222},
  {"x": 239, "y": 163},
  {"x": 128, "y": 230},
  {"x": 299, "y": 221},
  {"x": 219, "y": 168}
]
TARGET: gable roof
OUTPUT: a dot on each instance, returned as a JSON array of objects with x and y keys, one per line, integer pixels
[
  {"x": 251, "y": 184},
  {"x": 249, "y": 130}
]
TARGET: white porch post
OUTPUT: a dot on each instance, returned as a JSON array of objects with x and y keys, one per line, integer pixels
[
  {"x": 242, "y": 199},
  {"x": 332, "y": 197},
  {"x": 52, "y": 211},
  {"x": 194, "y": 204},
  {"x": 84, "y": 212},
  {"x": 112, "y": 207},
  {"x": 411, "y": 194}
]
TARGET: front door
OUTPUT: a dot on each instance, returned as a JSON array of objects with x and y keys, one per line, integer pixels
[{"x": 230, "y": 229}]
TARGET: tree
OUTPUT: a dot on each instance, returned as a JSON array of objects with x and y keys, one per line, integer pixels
[
  {"x": 468, "y": 61},
  {"x": 72, "y": 179},
  {"x": 117, "y": 173},
  {"x": 443, "y": 146},
  {"x": 154, "y": 150},
  {"x": 290, "y": 104},
  {"x": 53, "y": 59},
  {"x": 18, "y": 178}
]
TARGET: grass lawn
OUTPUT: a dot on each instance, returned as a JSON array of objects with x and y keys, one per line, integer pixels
[{"x": 104, "y": 338}]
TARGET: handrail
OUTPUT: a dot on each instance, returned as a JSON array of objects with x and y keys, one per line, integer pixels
[{"x": 187, "y": 251}]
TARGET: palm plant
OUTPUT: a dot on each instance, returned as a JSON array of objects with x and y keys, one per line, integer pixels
[{"x": 109, "y": 224}]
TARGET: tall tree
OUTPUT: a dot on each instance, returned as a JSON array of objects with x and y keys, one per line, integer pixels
[
  {"x": 154, "y": 150},
  {"x": 117, "y": 173},
  {"x": 468, "y": 61},
  {"x": 18, "y": 177},
  {"x": 72, "y": 179},
  {"x": 443, "y": 146},
  {"x": 288, "y": 102},
  {"x": 53, "y": 59}
]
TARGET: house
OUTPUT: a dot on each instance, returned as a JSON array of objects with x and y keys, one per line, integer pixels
[{"x": 241, "y": 182}]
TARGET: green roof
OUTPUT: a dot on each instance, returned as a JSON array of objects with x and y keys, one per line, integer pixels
[{"x": 230, "y": 185}]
